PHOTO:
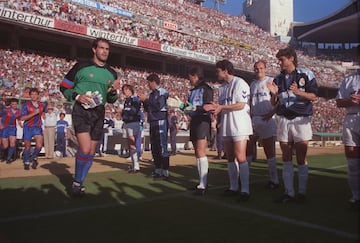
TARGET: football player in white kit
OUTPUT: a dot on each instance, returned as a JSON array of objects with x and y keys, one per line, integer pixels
[
  {"x": 349, "y": 97},
  {"x": 293, "y": 90},
  {"x": 264, "y": 127},
  {"x": 235, "y": 126}
]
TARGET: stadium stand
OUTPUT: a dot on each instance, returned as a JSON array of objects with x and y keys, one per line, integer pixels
[
  {"x": 20, "y": 71},
  {"x": 184, "y": 25}
]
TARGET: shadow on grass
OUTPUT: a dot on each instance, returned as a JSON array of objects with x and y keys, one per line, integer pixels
[{"x": 28, "y": 203}]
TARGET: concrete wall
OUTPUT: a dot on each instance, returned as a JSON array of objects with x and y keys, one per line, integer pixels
[{"x": 274, "y": 16}]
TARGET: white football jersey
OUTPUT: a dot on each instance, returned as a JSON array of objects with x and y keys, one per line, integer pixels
[
  {"x": 238, "y": 122},
  {"x": 350, "y": 85},
  {"x": 260, "y": 97}
]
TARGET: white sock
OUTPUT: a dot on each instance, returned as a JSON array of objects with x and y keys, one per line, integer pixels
[
  {"x": 272, "y": 166},
  {"x": 233, "y": 170},
  {"x": 288, "y": 177},
  {"x": 244, "y": 177},
  {"x": 249, "y": 159},
  {"x": 198, "y": 166},
  {"x": 203, "y": 172},
  {"x": 165, "y": 173},
  {"x": 354, "y": 177},
  {"x": 303, "y": 176},
  {"x": 134, "y": 159}
]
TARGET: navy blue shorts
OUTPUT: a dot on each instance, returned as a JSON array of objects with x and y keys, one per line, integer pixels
[
  {"x": 30, "y": 132},
  {"x": 8, "y": 131}
]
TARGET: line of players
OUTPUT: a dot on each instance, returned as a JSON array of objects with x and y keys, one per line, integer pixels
[
  {"x": 29, "y": 117},
  {"x": 245, "y": 114}
]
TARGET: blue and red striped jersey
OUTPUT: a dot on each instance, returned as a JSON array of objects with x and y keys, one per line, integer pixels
[
  {"x": 29, "y": 108},
  {"x": 9, "y": 116}
]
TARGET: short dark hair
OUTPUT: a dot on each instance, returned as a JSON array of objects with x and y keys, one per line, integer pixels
[
  {"x": 33, "y": 90},
  {"x": 195, "y": 71},
  {"x": 226, "y": 65},
  {"x": 260, "y": 61},
  {"x": 153, "y": 78},
  {"x": 129, "y": 87},
  {"x": 288, "y": 52},
  {"x": 13, "y": 100},
  {"x": 97, "y": 40},
  {"x": 62, "y": 114}
]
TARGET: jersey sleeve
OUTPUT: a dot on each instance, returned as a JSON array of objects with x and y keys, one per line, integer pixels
[
  {"x": 24, "y": 110},
  {"x": 208, "y": 95},
  {"x": 208, "y": 98},
  {"x": 112, "y": 96},
  {"x": 241, "y": 92},
  {"x": 162, "y": 100},
  {"x": 342, "y": 93},
  {"x": 311, "y": 86},
  {"x": 68, "y": 83}
]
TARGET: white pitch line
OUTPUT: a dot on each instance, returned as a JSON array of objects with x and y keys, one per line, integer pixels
[
  {"x": 336, "y": 167},
  {"x": 275, "y": 217}
]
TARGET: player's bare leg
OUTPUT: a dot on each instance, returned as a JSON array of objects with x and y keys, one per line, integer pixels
[{"x": 250, "y": 148}]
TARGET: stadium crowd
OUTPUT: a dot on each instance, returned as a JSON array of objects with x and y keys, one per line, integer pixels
[
  {"x": 196, "y": 30},
  {"x": 20, "y": 71}
]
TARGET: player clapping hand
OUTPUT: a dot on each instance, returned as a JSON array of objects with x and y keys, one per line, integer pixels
[
  {"x": 142, "y": 97},
  {"x": 355, "y": 98},
  {"x": 274, "y": 89}
]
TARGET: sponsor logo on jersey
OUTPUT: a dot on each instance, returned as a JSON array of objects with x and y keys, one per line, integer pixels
[{"x": 302, "y": 82}]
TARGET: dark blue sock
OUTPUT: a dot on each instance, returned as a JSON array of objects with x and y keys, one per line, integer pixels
[
  {"x": 26, "y": 155},
  {"x": 83, "y": 163},
  {"x": 11, "y": 151},
  {"x": 35, "y": 153},
  {"x": 86, "y": 167}
]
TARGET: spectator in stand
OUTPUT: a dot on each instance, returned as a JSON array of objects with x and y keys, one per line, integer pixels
[{"x": 50, "y": 119}]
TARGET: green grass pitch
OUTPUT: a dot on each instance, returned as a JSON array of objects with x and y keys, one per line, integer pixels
[{"x": 120, "y": 207}]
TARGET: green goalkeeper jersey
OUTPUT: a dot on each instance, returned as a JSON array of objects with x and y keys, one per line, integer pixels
[{"x": 87, "y": 76}]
